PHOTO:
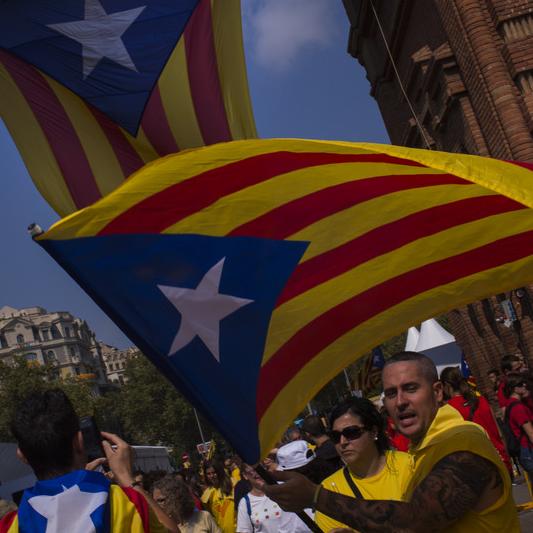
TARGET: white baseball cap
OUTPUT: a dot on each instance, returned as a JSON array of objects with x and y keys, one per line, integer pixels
[{"x": 294, "y": 455}]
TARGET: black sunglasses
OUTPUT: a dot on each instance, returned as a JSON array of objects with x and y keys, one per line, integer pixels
[{"x": 349, "y": 433}]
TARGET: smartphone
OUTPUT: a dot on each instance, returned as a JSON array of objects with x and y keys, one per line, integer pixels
[{"x": 92, "y": 440}]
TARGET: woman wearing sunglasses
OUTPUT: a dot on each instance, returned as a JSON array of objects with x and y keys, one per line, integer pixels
[{"x": 372, "y": 471}]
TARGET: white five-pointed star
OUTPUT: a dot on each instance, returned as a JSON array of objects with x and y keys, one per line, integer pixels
[
  {"x": 100, "y": 35},
  {"x": 69, "y": 510},
  {"x": 201, "y": 310}
]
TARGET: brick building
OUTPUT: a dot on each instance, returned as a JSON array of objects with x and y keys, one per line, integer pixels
[{"x": 467, "y": 69}]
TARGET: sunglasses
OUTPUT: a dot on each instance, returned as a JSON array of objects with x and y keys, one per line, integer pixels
[{"x": 349, "y": 433}]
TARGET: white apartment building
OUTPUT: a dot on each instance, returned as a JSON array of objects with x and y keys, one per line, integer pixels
[
  {"x": 115, "y": 362},
  {"x": 58, "y": 338}
]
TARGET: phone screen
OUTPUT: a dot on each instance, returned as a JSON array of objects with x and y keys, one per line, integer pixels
[{"x": 92, "y": 440}]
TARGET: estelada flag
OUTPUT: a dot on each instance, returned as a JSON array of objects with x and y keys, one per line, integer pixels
[
  {"x": 91, "y": 90},
  {"x": 81, "y": 501},
  {"x": 252, "y": 272}
]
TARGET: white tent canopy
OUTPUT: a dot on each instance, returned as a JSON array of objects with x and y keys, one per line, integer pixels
[
  {"x": 432, "y": 334},
  {"x": 435, "y": 342},
  {"x": 412, "y": 339}
]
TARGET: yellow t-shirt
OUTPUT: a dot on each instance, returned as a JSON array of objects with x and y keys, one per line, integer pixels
[
  {"x": 389, "y": 484},
  {"x": 235, "y": 476},
  {"x": 222, "y": 508},
  {"x": 450, "y": 433}
]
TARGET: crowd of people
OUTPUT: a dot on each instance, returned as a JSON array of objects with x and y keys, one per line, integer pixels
[{"x": 431, "y": 456}]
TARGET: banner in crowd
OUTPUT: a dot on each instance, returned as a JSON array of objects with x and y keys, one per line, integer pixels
[
  {"x": 252, "y": 272},
  {"x": 92, "y": 91}
]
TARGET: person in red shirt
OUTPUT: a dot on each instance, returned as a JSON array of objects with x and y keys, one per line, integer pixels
[
  {"x": 397, "y": 440},
  {"x": 510, "y": 364},
  {"x": 473, "y": 408},
  {"x": 521, "y": 418}
]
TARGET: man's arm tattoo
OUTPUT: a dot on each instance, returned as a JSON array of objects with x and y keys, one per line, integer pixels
[{"x": 449, "y": 491}]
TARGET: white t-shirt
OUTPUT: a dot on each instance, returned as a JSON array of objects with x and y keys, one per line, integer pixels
[{"x": 267, "y": 517}]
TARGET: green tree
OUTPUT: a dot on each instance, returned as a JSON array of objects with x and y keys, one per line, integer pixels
[
  {"x": 19, "y": 379},
  {"x": 153, "y": 412}
]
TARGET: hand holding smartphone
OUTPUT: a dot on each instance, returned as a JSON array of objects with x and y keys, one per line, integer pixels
[{"x": 92, "y": 439}]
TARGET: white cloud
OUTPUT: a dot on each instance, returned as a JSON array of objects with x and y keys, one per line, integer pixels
[{"x": 280, "y": 30}]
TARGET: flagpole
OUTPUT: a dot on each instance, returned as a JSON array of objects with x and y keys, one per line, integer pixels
[
  {"x": 199, "y": 425},
  {"x": 347, "y": 378}
]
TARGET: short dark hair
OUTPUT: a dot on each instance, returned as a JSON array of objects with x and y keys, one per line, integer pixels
[
  {"x": 44, "y": 425},
  {"x": 513, "y": 380},
  {"x": 369, "y": 415},
  {"x": 506, "y": 363},
  {"x": 493, "y": 371},
  {"x": 429, "y": 370},
  {"x": 290, "y": 432},
  {"x": 313, "y": 425}
]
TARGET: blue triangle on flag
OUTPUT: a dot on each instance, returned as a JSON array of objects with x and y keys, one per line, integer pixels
[{"x": 115, "y": 72}]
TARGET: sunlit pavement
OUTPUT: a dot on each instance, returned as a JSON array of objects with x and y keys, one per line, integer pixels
[{"x": 521, "y": 495}]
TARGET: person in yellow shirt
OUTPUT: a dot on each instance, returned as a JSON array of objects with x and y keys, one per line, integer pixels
[
  {"x": 372, "y": 470},
  {"x": 458, "y": 481},
  {"x": 218, "y": 496}
]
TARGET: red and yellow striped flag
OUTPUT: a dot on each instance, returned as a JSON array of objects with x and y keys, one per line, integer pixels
[
  {"x": 76, "y": 154},
  {"x": 317, "y": 251}
]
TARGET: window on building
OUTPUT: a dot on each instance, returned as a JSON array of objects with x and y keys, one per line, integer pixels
[
  {"x": 20, "y": 339},
  {"x": 55, "y": 333},
  {"x": 72, "y": 351},
  {"x": 121, "y": 379},
  {"x": 46, "y": 335},
  {"x": 67, "y": 331},
  {"x": 77, "y": 370}
]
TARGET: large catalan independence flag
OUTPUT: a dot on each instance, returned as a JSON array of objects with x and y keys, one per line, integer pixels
[
  {"x": 91, "y": 90},
  {"x": 253, "y": 272}
]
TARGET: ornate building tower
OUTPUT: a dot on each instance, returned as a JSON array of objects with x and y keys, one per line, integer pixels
[{"x": 464, "y": 69}]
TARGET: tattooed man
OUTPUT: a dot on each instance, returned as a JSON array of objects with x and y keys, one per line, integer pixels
[{"x": 458, "y": 481}]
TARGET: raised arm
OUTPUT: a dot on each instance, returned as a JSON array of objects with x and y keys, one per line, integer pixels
[{"x": 456, "y": 485}]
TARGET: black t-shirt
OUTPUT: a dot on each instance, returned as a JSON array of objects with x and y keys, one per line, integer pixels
[{"x": 327, "y": 452}]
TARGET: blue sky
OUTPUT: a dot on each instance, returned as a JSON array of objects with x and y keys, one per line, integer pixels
[{"x": 303, "y": 84}]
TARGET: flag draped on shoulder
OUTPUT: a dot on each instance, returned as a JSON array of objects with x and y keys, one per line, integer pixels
[
  {"x": 253, "y": 272},
  {"x": 94, "y": 89},
  {"x": 81, "y": 501}
]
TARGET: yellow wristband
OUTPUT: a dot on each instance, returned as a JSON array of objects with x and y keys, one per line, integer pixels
[{"x": 315, "y": 497}]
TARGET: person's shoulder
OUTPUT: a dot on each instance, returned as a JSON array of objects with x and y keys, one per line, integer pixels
[
  {"x": 207, "y": 494},
  {"x": 326, "y": 450},
  {"x": 7, "y": 521},
  {"x": 334, "y": 479},
  {"x": 398, "y": 457},
  {"x": 519, "y": 410},
  {"x": 456, "y": 401},
  {"x": 205, "y": 517},
  {"x": 399, "y": 465}
]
